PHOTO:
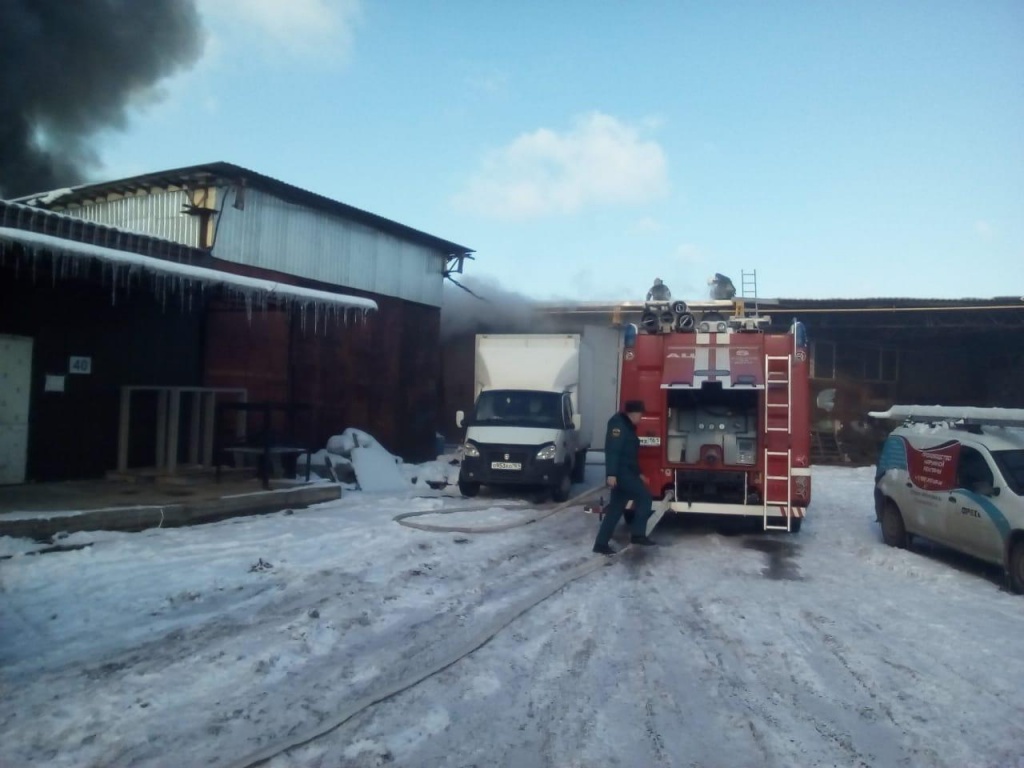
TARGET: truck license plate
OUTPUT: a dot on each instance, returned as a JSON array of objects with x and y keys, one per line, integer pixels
[{"x": 506, "y": 465}]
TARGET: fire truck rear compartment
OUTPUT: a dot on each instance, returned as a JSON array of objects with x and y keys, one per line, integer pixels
[
  {"x": 701, "y": 485},
  {"x": 712, "y": 428}
]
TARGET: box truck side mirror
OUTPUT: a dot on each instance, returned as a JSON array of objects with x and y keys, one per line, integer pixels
[{"x": 459, "y": 418}]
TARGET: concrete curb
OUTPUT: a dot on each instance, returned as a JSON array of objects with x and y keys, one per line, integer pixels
[{"x": 41, "y": 527}]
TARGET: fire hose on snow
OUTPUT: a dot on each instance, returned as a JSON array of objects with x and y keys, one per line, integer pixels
[{"x": 463, "y": 649}]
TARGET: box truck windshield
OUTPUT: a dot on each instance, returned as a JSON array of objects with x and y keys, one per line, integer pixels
[{"x": 519, "y": 408}]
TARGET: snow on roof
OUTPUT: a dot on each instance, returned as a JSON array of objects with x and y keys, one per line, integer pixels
[
  {"x": 249, "y": 287},
  {"x": 1013, "y": 417}
]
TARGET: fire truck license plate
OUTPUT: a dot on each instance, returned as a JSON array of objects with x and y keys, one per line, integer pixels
[{"x": 506, "y": 465}]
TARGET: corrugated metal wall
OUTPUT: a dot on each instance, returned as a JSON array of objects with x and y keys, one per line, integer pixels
[
  {"x": 159, "y": 214},
  {"x": 273, "y": 234},
  {"x": 378, "y": 373},
  {"x": 270, "y": 233}
]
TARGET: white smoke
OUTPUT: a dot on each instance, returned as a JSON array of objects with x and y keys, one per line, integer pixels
[{"x": 488, "y": 309}]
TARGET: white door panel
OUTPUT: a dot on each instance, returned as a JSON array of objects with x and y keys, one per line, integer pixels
[{"x": 15, "y": 381}]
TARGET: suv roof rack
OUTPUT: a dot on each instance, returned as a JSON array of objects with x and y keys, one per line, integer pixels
[{"x": 964, "y": 415}]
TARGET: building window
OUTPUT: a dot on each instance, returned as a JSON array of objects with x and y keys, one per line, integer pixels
[
  {"x": 881, "y": 364},
  {"x": 823, "y": 360},
  {"x": 872, "y": 365},
  {"x": 890, "y": 364},
  {"x": 848, "y": 361}
]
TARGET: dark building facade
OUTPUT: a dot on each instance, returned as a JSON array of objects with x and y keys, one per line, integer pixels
[
  {"x": 256, "y": 293},
  {"x": 866, "y": 354}
]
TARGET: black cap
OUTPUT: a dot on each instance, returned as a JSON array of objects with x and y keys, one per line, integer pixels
[{"x": 634, "y": 406}]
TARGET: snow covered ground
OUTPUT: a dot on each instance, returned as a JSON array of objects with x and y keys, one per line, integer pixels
[{"x": 222, "y": 644}]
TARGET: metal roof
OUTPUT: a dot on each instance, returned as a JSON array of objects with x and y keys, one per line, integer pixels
[
  {"x": 808, "y": 305},
  {"x": 40, "y": 220},
  {"x": 920, "y": 316},
  {"x": 41, "y": 231},
  {"x": 228, "y": 173}
]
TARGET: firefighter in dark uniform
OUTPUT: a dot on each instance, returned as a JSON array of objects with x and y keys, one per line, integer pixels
[
  {"x": 622, "y": 471},
  {"x": 659, "y": 291}
]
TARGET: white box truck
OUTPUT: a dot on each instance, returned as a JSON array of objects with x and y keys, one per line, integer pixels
[{"x": 526, "y": 428}]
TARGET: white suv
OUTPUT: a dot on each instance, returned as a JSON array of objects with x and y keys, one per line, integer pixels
[{"x": 955, "y": 476}]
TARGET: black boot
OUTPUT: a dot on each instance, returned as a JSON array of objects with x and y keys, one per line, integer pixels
[
  {"x": 604, "y": 550},
  {"x": 643, "y": 541}
]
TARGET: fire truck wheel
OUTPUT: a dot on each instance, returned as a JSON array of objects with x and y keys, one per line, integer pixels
[
  {"x": 580, "y": 467},
  {"x": 469, "y": 489},
  {"x": 561, "y": 491},
  {"x": 1015, "y": 567},
  {"x": 894, "y": 533}
]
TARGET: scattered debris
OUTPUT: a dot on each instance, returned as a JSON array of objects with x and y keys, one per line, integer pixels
[{"x": 260, "y": 565}]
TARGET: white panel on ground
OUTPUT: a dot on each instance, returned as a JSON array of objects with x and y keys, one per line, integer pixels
[
  {"x": 376, "y": 470},
  {"x": 15, "y": 381}
]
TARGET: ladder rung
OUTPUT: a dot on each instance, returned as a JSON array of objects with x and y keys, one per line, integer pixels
[
  {"x": 778, "y": 405},
  {"x": 776, "y": 453},
  {"x": 776, "y": 429},
  {"x": 776, "y": 477}
]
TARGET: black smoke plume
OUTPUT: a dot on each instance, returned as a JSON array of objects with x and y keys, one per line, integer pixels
[{"x": 69, "y": 68}]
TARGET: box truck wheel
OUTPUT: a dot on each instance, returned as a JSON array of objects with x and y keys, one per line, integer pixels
[
  {"x": 469, "y": 489},
  {"x": 561, "y": 491},
  {"x": 579, "y": 469}
]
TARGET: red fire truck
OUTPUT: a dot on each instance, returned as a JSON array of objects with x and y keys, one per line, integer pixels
[{"x": 727, "y": 424}]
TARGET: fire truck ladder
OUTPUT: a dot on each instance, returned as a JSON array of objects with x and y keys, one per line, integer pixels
[
  {"x": 778, "y": 417},
  {"x": 748, "y": 287}
]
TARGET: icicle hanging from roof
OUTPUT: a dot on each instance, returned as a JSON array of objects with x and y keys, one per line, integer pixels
[{"x": 182, "y": 278}]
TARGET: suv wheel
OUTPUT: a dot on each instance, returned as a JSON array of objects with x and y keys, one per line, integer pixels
[
  {"x": 1015, "y": 567},
  {"x": 469, "y": 489},
  {"x": 894, "y": 533}
]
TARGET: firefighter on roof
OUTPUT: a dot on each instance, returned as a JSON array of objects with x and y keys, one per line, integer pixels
[
  {"x": 659, "y": 291},
  {"x": 622, "y": 471}
]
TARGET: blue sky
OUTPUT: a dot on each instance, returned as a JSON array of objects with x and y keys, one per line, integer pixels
[{"x": 840, "y": 149}]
